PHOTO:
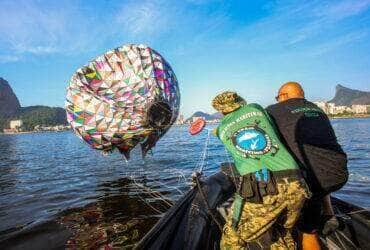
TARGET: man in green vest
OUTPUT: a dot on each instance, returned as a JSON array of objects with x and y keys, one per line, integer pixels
[{"x": 270, "y": 189}]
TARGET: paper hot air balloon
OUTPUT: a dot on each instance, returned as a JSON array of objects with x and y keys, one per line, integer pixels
[{"x": 125, "y": 97}]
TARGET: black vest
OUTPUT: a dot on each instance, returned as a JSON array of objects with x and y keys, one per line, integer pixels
[{"x": 309, "y": 135}]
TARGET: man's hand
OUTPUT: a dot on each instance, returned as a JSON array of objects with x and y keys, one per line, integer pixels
[{"x": 214, "y": 131}]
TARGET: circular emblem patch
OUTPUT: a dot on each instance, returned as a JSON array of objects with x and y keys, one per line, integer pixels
[{"x": 252, "y": 141}]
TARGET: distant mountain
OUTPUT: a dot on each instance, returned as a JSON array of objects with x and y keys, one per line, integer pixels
[
  {"x": 9, "y": 103},
  {"x": 206, "y": 116},
  {"x": 10, "y": 109},
  {"x": 346, "y": 97},
  {"x": 217, "y": 115}
]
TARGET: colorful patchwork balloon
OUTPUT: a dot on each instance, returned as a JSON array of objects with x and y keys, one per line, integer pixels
[{"x": 125, "y": 97}]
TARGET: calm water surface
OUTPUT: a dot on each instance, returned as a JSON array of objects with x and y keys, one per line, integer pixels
[{"x": 56, "y": 177}]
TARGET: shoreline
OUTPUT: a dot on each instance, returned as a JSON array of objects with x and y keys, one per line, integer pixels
[
  {"x": 32, "y": 132},
  {"x": 180, "y": 125},
  {"x": 350, "y": 117}
]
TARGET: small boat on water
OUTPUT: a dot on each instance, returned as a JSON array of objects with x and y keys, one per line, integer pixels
[{"x": 188, "y": 224}]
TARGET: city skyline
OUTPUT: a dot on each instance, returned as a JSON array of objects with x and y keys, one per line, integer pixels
[{"x": 212, "y": 46}]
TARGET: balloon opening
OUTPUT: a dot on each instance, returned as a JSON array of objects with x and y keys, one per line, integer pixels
[{"x": 159, "y": 115}]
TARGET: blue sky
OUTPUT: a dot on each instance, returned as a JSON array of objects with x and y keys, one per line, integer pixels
[{"x": 247, "y": 46}]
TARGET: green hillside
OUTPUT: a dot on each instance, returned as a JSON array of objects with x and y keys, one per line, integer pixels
[{"x": 36, "y": 115}]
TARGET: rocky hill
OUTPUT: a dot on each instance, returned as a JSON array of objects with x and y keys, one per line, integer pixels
[
  {"x": 346, "y": 97},
  {"x": 9, "y": 103},
  {"x": 10, "y": 109}
]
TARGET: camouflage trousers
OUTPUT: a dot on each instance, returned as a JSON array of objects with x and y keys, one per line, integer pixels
[{"x": 281, "y": 210}]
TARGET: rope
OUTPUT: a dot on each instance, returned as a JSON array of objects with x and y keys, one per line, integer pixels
[
  {"x": 210, "y": 211},
  {"x": 339, "y": 240},
  {"x": 358, "y": 211},
  {"x": 144, "y": 199},
  {"x": 147, "y": 203},
  {"x": 153, "y": 194},
  {"x": 204, "y": 153},
  {"x": 167, "y": 186},
  {"x": 197, "y": 174}
]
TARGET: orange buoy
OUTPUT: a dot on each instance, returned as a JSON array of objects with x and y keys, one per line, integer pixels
[{"x": 197, "y": 126}]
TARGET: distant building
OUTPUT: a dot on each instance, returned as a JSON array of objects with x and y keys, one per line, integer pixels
[
  {"x": 15, "y": 127},
  {"x": 330, "y": 108},
  {"x": 180, "y": 119},
  {"x": 41, "y": 128},
  {"x": 342, "y": 109},
  {"x": 322, "y": 105},
  {"x": 37, "y": 128},
  {"x": 16, "y": 124},
  {"x": 359, "y": 109}
]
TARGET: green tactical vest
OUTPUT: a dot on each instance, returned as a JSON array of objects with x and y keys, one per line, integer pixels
[{"x": 251, "y": 138}]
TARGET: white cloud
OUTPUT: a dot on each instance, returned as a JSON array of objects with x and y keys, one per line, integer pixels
[
  {"x": 319, "y": 16},
  {"x": 145, "y": 17},
  {"x": 49, "y": 27},
  {"x": 31, "y": 27},
  {"x": 34, "y": 27},
  {"x": 9, "y": 58},
  {"x": 202, "y": 2},
  {"x": 177, "y": 27},
  {"x": 338, "y": 10},
  {"x": 297, "y": 26},
  {"x": 323, "y": 16},
  {"x": 336, "y": 42}
]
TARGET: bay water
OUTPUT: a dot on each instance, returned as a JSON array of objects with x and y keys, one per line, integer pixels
[{"x": 54, "y": 176}]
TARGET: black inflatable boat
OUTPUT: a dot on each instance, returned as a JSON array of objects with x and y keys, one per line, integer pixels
[{"x": 188, "y": 225}]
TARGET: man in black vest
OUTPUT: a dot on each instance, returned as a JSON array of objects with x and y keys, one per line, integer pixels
[{"x": 309, "y": 135}]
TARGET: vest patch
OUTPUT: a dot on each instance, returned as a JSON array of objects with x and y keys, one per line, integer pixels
[{"x": 251, "y": 141}]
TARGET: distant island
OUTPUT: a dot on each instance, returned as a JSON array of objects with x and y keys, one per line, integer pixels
[
  {"x": 14, "y": 118},
  {"x": 215, "y": 117}
]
